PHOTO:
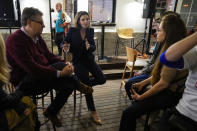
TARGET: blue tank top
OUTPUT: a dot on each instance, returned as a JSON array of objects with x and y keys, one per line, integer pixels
[{"x": 59, "y": 21}]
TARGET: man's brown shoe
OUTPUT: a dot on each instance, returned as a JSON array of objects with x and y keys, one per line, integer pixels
[
  {"x": 83, "y": 88},
  {"x": 53, "y": 118}
]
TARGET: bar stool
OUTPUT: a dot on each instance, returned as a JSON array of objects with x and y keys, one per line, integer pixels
[{"x": 124, "y": 34}]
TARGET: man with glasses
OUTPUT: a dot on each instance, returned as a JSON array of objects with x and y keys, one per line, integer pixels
[{"x": 35, "y": 69}]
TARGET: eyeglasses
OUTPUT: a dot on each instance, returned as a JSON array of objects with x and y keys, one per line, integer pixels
[{"x": 39, "y": 22}]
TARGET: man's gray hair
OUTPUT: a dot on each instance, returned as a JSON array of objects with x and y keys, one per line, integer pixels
[{"x": 29, "y": 13}]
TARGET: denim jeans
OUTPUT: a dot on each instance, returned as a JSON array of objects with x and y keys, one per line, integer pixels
[{"x": 133, "y": 80}]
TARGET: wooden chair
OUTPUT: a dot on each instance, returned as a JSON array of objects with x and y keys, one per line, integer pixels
[
  {"x": 130, "y": 62},
  {"x": 124, "y": 34},
  {"x": 35, "y": 98}
]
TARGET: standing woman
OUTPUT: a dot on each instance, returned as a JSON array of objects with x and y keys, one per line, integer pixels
[{"x": 82, "y": 46}]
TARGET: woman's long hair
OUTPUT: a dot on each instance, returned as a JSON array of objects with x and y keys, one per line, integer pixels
[
  {"x": 175, "y": 30},
  {"x": 4, "y": 66},
  {"x": 77, "y": 18}
]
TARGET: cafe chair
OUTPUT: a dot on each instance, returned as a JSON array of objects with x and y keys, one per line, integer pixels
[
  {"x": 130, "y": 63},
  {"x": 124, "y": 34}
]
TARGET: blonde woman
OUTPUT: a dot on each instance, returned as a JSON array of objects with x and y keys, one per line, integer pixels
[{"x": 14, "y": 107}]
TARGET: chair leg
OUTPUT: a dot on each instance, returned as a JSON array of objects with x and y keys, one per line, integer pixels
[
  {"x": 43, "y": 102},
  {"x": 123, "y": 75},
  {"x": 74, "y": 99},
  {"x": 51, "y": 95},
  {"x": 117, "y": 47},
  {"x": 146, "y": 126},
  {"x": 80, "y": 104},
  {"x": 97, "y": 47},
  {"x": 37, "y": 124},
  {"x": 132, "y": 42}
]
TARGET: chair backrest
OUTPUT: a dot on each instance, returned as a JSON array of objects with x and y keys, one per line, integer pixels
[
  {"x": 131, "y": 54},
  {"x": 125, "y": 32},
  {"x": 9, "y": 87}
]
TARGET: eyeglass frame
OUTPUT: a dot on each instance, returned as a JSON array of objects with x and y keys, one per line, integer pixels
[{"x": 39, "y": 22}]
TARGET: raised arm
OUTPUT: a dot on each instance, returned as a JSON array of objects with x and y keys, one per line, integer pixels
[{"x": 176, "y": 51}]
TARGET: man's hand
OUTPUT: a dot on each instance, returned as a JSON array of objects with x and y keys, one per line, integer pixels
[
  {"x": 87, "y": 45},
  {"x": 67, "y": 70}
]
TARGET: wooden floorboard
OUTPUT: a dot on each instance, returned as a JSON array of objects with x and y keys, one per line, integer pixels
[{"x": 109, "y": 101}]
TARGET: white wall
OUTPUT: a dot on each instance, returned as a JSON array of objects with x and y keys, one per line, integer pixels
[
  {"x": 82, "y": 5},
  {"x": 129, "y": 14}
]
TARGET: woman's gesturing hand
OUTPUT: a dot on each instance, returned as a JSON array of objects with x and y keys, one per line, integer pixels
[{"x": 87, "y": 44}]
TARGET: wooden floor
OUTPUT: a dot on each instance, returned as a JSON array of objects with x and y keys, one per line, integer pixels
[{"x": 110, "y": 102}]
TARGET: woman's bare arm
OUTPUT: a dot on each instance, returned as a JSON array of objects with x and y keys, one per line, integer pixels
[{"x": 177, "y": 50}]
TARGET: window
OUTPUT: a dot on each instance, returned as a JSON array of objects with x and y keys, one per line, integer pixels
[{"x": 102, "y": 10}]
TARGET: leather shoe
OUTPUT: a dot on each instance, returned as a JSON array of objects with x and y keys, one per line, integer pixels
[
  {"x": 96, "y": 117},
  {"x": 83, "y": 88},
  {"x": 53, "y": 118}
]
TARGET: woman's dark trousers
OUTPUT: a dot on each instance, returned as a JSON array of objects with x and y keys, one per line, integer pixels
[
  {"x": 82, "y": 70},
  {"x": 162, "y": 100}
]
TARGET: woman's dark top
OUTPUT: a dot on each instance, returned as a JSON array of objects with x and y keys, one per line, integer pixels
[{"x": 78, "y": 47}]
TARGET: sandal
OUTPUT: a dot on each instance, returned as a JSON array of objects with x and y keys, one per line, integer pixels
[{"x": 96, "y": 117}]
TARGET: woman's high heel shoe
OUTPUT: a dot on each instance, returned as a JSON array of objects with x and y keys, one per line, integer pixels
[{"x": 96, "y": 117}]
